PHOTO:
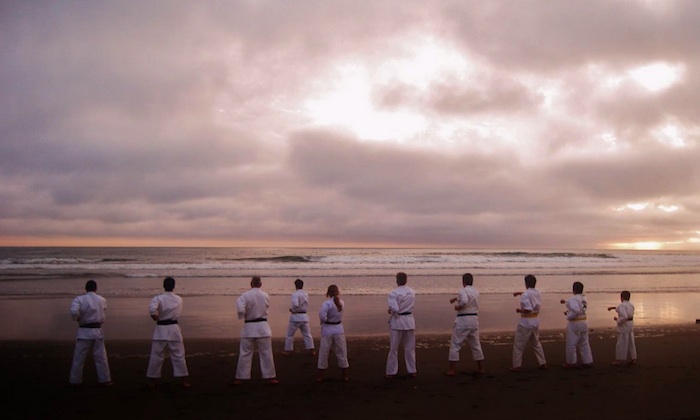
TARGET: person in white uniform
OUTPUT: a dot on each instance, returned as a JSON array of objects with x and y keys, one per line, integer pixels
[
  {"x": 577, "y": 329},
  {"x": 528, "y": 329},
  {"x": 466, "y": 326},
  {"x": 252, "y": 307},
  {"x": 402, "y": 328},
  {"x": 165, "y": 309},
  {"x": 89, "y": 311},
  {"x": 332, "y": 334},
  {"x": 299, "y": 320},
  {"x": 625, "y": 347}
]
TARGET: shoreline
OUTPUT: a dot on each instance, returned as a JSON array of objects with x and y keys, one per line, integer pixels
[{"x": 663, "y": 385}]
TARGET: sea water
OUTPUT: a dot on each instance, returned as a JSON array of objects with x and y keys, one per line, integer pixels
[{"x": 37, "y": 285}]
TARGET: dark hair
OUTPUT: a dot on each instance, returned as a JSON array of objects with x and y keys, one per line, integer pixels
[
  {"x": 91, "y": 286},
  {"x": 299, "y": 283},
  {"x": 169, "y": 284},
  {"x": 256, "y": 281},
  {"x": 625, "y": 295},
  {"x": 467, "y": 279},
  {"x": 578, "y": 287},
  {"x": 333, "y": 292},
  {"x": 401, "y": 278},
  {"x": 530, "y": 281}
]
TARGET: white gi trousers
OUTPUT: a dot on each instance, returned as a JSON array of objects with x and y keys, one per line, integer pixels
[
  {"x": 577, "y": 338},
  {"x": 396, "y": 339},
  {"x": 245, "y": 357},
  {"x": 302, "y": 326},
  {"x": 99, "y": 353},
  {"x": 625, "y": 345},
  {"x": 177, "y": 357},
  {"x": 524, "y": 336},
  {"x": 469, "y": 333},
  {"x": 340, "y": 349}
]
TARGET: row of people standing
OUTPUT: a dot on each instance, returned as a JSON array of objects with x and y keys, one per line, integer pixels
[{"x": 252, "y": 308}]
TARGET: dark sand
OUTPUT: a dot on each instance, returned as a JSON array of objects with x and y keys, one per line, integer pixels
[{"x": 665, "y": 384}]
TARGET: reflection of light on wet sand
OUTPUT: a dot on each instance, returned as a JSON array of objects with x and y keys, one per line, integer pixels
[{"x": 214, "y": 316}]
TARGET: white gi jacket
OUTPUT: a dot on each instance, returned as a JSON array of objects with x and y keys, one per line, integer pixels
[
  {"x": 253, "y": 305},
  {"x": 530, "y": 300},
  {"x": 89, "y": 309},
  {"x": 401, "y": 301},
  {"x": 300, "y": 305},
  {"x": 468, "y": 297},
  {"x": 166, "y": 306},
  {"x": 329, "y": 313},
  {"x": 625, "y": 316},
  {"x": 576, "y": 308}
]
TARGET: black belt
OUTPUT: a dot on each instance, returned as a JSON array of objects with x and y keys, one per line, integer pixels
[
  {"x": 630, "y": 318},
  {"x": 405, "y": 313},
  {"x": 467, "y": 314},
  {"x": 332, "y": 323},
  {"x": 300, "y": 312},
  {"x": 92, "y": 325},
  {"x": 256, "y": 320},
  {"x": 167, "y": 322}
]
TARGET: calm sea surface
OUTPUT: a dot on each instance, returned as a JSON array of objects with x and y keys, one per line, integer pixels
[{"x": 37, "y": 285}]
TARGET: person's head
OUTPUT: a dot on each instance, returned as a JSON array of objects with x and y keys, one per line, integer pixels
[
  {"x": 578, "y": 287},
  {"x": 401, "y": 279},
  {"x": 625, "y": 295},
  {"x": 530, "y": 281},
  {"x": 467, "y": 279},
  {"x": 91, "y": 286},
  {"x": 256, "y": 281},
  {"x": 169, "y": 284},
  {"x": 299, "y": 284},
  {"x": 333, "y": 292}
]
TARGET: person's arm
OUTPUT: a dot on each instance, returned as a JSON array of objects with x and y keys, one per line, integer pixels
[
  {"x": 153, "y": 308},
  {"x": 573, "y": 309},
  {"x": 75, "y": 309},
  {"x": 393, "y": 302},
  {"x": 240, "y": 307},
  {"x": 295, "y": 303},
  {"x": 323, "y": 313},
  {"x": 525, "y": 305},
  {"x": 622, "y": 315},
  {"x": 461, "y": 301}
]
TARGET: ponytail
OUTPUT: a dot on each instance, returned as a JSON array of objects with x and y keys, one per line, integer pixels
[{"x": 334, "y": 292}]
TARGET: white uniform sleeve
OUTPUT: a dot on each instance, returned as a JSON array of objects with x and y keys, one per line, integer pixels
[
  {"x": 393, "y": 302},
  {"x": 154, "y": 306},
  {"x": 240, "y": 307},
  {"x": 75, "y": 309}
]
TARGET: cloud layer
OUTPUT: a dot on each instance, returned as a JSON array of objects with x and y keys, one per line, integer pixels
[{"x": 410, "y": 123}]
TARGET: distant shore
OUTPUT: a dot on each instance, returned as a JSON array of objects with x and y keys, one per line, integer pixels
[{"x": 663, "y": 385}]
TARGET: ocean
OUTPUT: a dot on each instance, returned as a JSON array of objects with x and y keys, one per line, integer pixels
[{"x": 665, "y": 286}]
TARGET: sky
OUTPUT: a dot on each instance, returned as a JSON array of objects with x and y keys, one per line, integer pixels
[{"x": 473, "y": 124}]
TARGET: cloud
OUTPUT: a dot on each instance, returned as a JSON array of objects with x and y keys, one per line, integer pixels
[{"x": 448, "y": 123}]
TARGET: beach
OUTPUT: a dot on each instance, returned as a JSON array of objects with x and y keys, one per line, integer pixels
[{"x": 662, "y": 386}]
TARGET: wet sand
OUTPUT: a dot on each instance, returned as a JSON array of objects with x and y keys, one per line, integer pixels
[{"x": 663, "y": 385}]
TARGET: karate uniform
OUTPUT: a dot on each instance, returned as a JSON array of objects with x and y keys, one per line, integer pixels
[
  {"x": 402, "y": 327},
  {"x": 332, "y": 335},
  {"x": 299, "y": 320},
  {"x": 89, "y": 311},
  {"x": 528, "y": 329},
  {"x": 252, "y": 306},
  {"x": 466, "y": 325},
  {"x": 577, "y": 331},
  {"x": 167, "y": 307},
  {"x": 625, "y": 332}
]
